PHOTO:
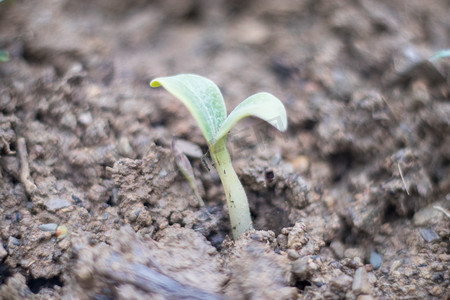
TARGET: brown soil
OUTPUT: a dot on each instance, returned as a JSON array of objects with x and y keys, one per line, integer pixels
[{"x": 352, "y": 202}]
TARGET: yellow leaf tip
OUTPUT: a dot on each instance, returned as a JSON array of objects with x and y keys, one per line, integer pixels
[{"x": 155, "y": 83}]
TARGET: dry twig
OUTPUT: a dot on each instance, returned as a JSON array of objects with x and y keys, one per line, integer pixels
[
  {"x": 403, "y": 179},
  {"x": 30, "y": 187},
  {"x": 443, "y": 210}
]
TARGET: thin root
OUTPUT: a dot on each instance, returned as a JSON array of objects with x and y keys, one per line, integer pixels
[
  {"x": 443, "y": 210},
  {"x": 403, "y": 179},
  {"x": 30, "y": 187}
]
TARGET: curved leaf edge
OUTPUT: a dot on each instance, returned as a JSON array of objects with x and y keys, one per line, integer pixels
[{"x": 251, "y": 107}]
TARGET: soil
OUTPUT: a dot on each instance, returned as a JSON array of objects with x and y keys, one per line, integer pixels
[{"x": 352, "y": 202}]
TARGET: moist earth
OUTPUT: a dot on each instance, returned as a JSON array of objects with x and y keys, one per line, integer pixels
[{"x": 352, "y": 202}]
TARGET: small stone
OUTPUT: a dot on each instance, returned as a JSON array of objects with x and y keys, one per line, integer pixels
[
  {"x": 292, "y": 254},
  {"x": 361, "y": 284},
  {"x": 375, "y": 260},
  {"x": 50, "y": 227},
  {"x": 341, "y": 282},
  {"x": 125, "y": 148},
  {"x": 56, "y": 203},
  {"x": 338, "y": 249},
  {"x": 304, "y": 267},
  {"x": 353, "y": 263},
  {"x": 300, "y": 268},
  {"x": 84, "y": 273},
  {"x": 428, "y": 234},
  {"x": 85, "y": 118},
  {"x": 282, "y": 241},
  {"x": 358, "y": 261},
  {"x": 372, "y": 278},
  {"x": 3, "y": 252},
  {"x": 69, "y": 120}
]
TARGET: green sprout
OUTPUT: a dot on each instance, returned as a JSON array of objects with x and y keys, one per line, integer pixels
[
  {"x": 205, "y": 102},
  {"x": 4, "y": 55}
]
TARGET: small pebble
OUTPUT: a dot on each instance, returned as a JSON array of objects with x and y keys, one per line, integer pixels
[
  {"x": 51, "y": 227},
  {"x": 341, "y": 283},
  {"x": 338, "y": 249},
  {"x": 56, "y": 203},
  {"x": 304, "y": 267},
  {"x": 361, "y": 284},
  {"x": 125, "y": 148},
  {"x": 429, "y": 235},
  {"x": 282, "y": 241},
  {"x": 85, "y": 118},
  {"x": 375, "y": 260},
  {"x": 292, "y": 254},
  {"x": 357, "y": 261}
]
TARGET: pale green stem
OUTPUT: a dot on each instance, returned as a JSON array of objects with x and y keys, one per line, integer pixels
[{"x": 236, "y": 198}]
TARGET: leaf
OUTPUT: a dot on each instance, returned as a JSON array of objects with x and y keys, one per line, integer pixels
[
  {"x": 262, "y": 105},
  {"x": 201, "y": 96},
  {"x": 440, "y": 54}
]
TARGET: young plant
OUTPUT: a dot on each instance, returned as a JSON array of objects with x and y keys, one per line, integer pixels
[{"x": 205, "y": 102}]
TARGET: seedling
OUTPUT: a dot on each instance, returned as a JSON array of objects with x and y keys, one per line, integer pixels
[{"x": 205, "y": 102}]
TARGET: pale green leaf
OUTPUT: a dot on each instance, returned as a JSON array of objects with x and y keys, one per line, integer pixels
[
  {"x": 440, "y": 54},
  {"x": 201, "y": 96},
  {"x": 262, "y": 105}
]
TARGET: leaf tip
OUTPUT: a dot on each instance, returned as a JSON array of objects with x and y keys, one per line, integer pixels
[{"x": 155, "y": 83}]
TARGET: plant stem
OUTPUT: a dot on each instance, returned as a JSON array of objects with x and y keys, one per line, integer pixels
[{"x": 236, "y": 198}]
